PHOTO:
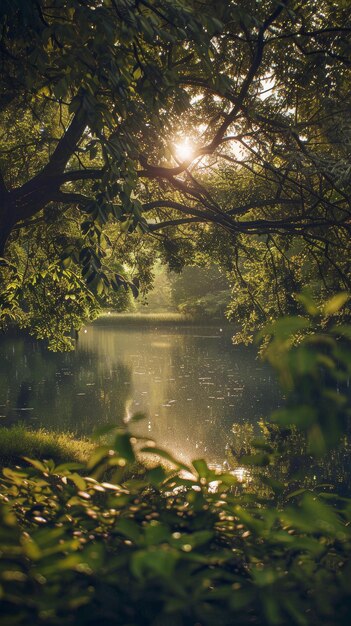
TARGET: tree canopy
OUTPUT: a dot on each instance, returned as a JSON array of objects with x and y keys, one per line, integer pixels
[{"x": 214, "y": 131}]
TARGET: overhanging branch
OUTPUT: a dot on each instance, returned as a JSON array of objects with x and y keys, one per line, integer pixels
[
  {"x": 159, "y": 204},
  {"x": 85, "y": 174},
  {"x": 70, "y": 198}
]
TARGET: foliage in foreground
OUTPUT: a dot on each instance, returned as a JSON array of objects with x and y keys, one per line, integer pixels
[{"x": 190, "y": 545}]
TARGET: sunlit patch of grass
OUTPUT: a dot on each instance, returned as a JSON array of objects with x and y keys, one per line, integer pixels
[
  {"x": 19, "y": 441},
  {"x": 139, "y": 319}
]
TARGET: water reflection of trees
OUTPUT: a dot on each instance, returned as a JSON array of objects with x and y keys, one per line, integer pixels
[
  {"x": 168, "y": 374},
  {"x": 98, "y": 384},
  {"x": 61, "y": 391}
]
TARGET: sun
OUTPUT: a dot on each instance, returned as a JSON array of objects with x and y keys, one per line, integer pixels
[{"x": 184, "y": 150}]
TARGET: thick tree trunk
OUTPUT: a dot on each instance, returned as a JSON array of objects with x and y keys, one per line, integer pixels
[
  {"x": 23, "y": 203},
  {"x": 6, "y": 220},
  {"x": 3, "y": 239},
  {"x": 20, "y": 205}
]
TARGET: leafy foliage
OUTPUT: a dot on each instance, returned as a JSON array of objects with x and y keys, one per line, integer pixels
[
  {"x": 96, "y": 95},
  {"x": 201, "y": 292},
  {"x": 312, "y": 372}
]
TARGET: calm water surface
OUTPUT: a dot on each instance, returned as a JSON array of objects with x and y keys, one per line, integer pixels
[{"x": 193, "y": 385}]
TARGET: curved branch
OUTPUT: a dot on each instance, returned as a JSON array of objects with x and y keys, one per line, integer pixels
[
  {"x": 258, "y": 204},
  {"x": 70, "y": 198},
  {"x": 168, "y": 223},
  {"x": 86, "y": 174},
  {"x": 158, "y": 204}
]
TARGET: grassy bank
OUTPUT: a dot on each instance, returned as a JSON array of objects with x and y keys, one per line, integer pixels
[
  {"x": 153, "y": 319},
  {"x": 18, "y": 441},
  {"x": 142, "y": 319}
]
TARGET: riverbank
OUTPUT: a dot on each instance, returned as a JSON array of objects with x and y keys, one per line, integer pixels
[
  {"x": 19, "y": 441},
  {"x": 154, "y": 319}
]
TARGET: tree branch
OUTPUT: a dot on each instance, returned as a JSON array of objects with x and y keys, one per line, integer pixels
[
  {"x": 158, "y": 204},
  {"x": 27, "y": 223},
  {"x": 249, "y": 77},
  {"x": 72, "y": 175},
  {"x": 66, "y": 145},
  {"x": 179, "y": 222},
  {"x": 70, "y": 198}
]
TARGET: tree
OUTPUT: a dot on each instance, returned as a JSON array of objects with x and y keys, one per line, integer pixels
[
  {"x": 278, "y": 97},
  {"x": 86, "y": 85},
  {"x": 96, "y": 94},
  {"x": 271, "y": 166}
]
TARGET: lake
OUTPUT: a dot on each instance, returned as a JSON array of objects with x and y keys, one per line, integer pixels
[{"x": 194, "y": 386}]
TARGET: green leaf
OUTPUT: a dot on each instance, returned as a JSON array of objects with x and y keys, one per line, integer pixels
[
  {"x": 78, "y": 481},
  {"x": 201, "y": 468},
  {"x": 129, "y": 529},
  {"x": 103, "y": 430},
  {"x": 306, "y": 300},
  {"x": 335, "y": 303},
  {"x": 164, "y": 455},
  {"x": 260, "y": 460},
  {"x": 302, "y": 416},
  {"x": 156, "y": 533},
  {"x": 285, "y": 327},
  {"x": 100, "y": 454},
  {"x": 156, "y": 476},
  {"x": 198, "y": 538},
  {"x": 68, "y": 467},
  {"x": 37, "y": 464},
  {"x": 123, "y": 447},
  {"x": 342, "y": 331},
  {"x": 156, "y": 561}
]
